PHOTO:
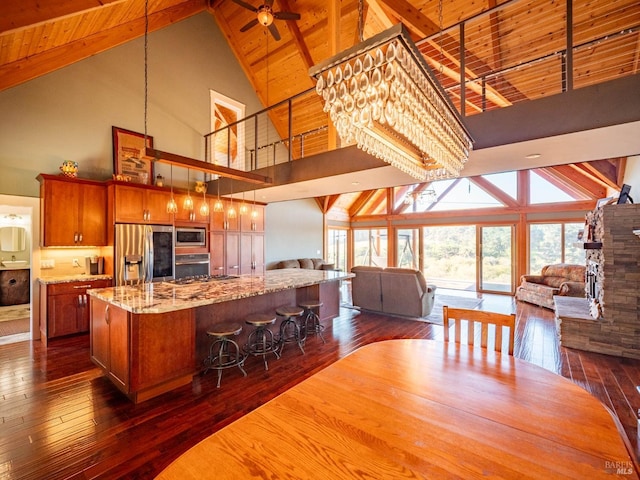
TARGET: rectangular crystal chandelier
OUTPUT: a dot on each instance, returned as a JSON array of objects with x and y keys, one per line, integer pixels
[{"x": 382, "y": 95}]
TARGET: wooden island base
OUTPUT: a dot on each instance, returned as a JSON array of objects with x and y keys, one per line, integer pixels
[{"x": 147, "y": 354}]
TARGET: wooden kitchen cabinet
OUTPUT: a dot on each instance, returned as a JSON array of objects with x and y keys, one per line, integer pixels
[
  {"x": 254, "y": 220},
  {"x": 140, "y": 204},
  {"x": 72, "y": 212},
  {"x": 143, "y": 355},
  {"x": 109, "y": 341},
  {"x": 190, "y": 217},
  {"x": 216, "y": 253},
  {"x": 64, "y": 308},
  {"x": 232, "y": 253},
  {"x": 252, "y": 253}
]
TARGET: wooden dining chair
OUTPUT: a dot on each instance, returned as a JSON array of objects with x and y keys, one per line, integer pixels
[{"x": 498, "y": 320}]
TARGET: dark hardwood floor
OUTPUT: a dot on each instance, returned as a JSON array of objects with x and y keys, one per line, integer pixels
[{"x": 61, "y": 419}]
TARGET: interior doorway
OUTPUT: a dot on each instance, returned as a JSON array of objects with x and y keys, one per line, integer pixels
[{"x": 19, "y": 254}]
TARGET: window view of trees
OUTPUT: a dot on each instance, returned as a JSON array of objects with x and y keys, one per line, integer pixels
[
  {"x": 408, "y": 248},
  {"x": 337, "y": 248},
  {"x": 370, "y": 247},
  {"x": 554, "y": 243},
  {"x": 497, "y": 258},
  {"x": 450, "y": 256}
]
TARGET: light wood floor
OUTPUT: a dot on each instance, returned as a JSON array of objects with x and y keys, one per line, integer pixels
[{"x": 59, "y": 418}]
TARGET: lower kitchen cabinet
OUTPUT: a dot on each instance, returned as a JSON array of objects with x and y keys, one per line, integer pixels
[
  {"x": 64, "y": 308},
  {"x": 143, "y": 355}
]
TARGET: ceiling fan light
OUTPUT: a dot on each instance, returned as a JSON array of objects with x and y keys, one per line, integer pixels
[{"x": 265, "y": 17}]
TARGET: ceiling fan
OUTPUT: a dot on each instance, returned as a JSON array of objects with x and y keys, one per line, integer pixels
[{"x": 265, "y": 16}]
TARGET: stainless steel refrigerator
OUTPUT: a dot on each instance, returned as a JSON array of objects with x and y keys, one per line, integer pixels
[{"x": 143, "y": 253}]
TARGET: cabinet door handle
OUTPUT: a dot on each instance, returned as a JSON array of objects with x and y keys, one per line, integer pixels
[
  {"x": 75, "y": 237},
  {"x": 79, "y": 300},
  {"x": 82, "y": 286},
  {"x": 80, "y": 237},
  {"x": 106, "y": 314}
]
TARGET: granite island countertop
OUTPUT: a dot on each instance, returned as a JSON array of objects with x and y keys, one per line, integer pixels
[
  {"x": 81, "y": 277},
  {"x": 162, "y": 297}
]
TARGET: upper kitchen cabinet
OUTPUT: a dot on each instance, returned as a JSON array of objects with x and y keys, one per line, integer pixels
[
  {"x": 72, "y": 212},
  {"x": 139, "y": 204},
  {"x": 253, "y": 221},
  {"x": 185, "y": 216}
]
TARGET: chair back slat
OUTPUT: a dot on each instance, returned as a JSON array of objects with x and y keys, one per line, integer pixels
[{"x": 484, "y": 319}]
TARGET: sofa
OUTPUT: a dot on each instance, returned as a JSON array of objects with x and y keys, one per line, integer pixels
[
  {"x": 561, "y": 279},
  {"x": 394, "y": 291},
  {"x": 308, "y": 263}
]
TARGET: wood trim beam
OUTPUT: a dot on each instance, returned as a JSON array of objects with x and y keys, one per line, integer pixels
[
  {"x": 26, "y": 69},
  {"x": 572, "y": 181},
  {"x": 186, "y": 162},
  {"x": 494, "y": 191},
  {"x": 15, "y": 15},
  {"x": 456, "y": 215}
]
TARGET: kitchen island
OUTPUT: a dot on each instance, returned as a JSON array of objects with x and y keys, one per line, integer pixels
[{"x": 151, "y": 338}]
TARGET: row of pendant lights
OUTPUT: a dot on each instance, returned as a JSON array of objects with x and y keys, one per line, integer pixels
[{"x": 218, "y": 206}]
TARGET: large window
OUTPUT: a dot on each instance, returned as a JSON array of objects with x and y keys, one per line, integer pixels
[
  {"x": 450, "y": 256},
  {"x": 337, "y": 248},
  {"x": 554, "y": 243},
  {"x": 370, "y": 247},
  {"x": 408, "y": 248}
]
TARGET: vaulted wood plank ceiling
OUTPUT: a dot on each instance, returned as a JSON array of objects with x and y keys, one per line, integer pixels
[{"x": 504, "y": 40}]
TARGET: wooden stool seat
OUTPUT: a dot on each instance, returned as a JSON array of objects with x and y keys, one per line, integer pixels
[
  {"x": 223, "y": 351},
  {"x": 290, "y": 330},
  {"x": 260, "y": 319},
  {"x": 224, "y": 330},
  {"x": 261, "y": 341},
  {"x": 312, "y": 325}
]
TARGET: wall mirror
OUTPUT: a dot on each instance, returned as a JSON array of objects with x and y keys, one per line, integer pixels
[{"x": 13, "y": 239}]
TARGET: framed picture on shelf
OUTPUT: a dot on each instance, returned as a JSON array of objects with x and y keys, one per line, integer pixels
[{"x": 128, "y": 150}]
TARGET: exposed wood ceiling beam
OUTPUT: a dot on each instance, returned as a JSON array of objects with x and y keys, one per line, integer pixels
[
  {"x": 570, "y": 180},
  {"x": 325, "y": 203},
  {"x": 412, "y": 18},
  {"x": 17, "y": 14},
  {"x": 360, "y": 202},
  {"x": 28, "y": 68},
  {"x": 298, "y": 39},
  {"x": 604, "y": 172}
]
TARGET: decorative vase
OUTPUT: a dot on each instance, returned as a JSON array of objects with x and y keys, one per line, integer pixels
[{"x": 69, "y": 168}]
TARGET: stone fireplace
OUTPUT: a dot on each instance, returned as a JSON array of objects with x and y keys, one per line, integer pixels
[{"x": 607, "y": 320}]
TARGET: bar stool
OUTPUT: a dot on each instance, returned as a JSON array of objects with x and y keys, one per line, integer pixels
[
  {"x": 290, "y": 330},
  {"x": 312, "y": 325},
  {"x": 260, "y": 340},
  {"x": 224, "y": 352}
]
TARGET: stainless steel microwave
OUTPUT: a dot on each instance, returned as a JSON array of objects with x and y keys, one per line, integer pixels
[{"x": 191, "y": 237}]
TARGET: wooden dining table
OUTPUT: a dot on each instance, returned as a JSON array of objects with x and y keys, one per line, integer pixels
[{"x": 419, "y": 409}]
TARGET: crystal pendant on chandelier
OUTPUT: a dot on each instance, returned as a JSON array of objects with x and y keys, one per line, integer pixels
[{"x": 383, "y": 96}]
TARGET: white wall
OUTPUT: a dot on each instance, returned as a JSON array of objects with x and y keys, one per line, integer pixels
[
  {"x": 632, "y": 177},
  {"x": 293, "y": 230},
  {"x": 68, "y": 114}
]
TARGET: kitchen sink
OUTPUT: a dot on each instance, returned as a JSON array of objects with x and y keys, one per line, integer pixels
[{"x": 14, "y": 263}]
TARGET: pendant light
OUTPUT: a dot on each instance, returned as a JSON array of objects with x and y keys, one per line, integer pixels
[
  {"x": 218, "y": 206},
  {"x": 243, "y": 206},
  {"x": 188, "y": 201},
  {"x": 204, "y": 208},
  {"x": 254, "y": 212},
  {"x": 172, "y": 206},
  {"x": 231, "y": 211}
]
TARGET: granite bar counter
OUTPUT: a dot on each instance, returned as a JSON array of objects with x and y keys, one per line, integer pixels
[
  {"x": 164, "y": 297},
  {"x": 152, "y": 338}
]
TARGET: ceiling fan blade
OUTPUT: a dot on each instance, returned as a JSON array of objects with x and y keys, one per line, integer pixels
[
  {"x": 286, "y": 15},
  {"x": 249, "y": 25},
  {"x": 245, "y": 5},
  {"x": 274, "y": 31}
]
